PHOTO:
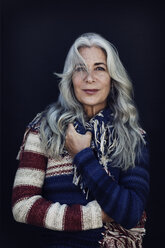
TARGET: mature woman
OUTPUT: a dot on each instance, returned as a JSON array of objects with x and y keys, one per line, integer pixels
[{"x": 84, "y": 160}]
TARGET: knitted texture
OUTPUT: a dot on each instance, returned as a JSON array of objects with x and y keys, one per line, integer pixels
[
  {"x": 44, "y": 194},
  {"x": 39, "y": 176},
  {"x": 125, "y": 197}
]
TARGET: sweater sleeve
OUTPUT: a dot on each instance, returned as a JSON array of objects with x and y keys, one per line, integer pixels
[
  {"x": 125, "y": 200},
  {"x": 28, "y": 205}
]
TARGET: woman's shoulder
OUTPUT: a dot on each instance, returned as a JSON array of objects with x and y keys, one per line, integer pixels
[{"x": 34, "y": 125}]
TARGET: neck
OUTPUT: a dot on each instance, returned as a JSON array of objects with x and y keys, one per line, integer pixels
[{"x": 93, "y": 110}]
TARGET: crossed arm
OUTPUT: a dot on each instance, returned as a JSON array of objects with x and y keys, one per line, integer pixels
[
  {"x": 122, "y": 202},
  {"x": 30, "y": 207}
]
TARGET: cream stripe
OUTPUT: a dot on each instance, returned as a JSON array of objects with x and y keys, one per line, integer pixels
[
  {"x": 33, "y": 143},
  {"x": 60, "y": 169},
  {"x": 20, "y": 209},
  {"x": 59, "y": 173},
  {"x": 92, "y": 217},
  {"x": 54, "y": 217},
  {"x": 26, "y": 176}
]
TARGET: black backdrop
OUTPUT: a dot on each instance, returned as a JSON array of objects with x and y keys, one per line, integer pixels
[{"x": 36, "y": 36}]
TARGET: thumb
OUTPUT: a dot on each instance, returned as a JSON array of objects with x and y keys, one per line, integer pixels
[
  {"x": 89, "y": 134},
  {"x": 71, "y": 127}
]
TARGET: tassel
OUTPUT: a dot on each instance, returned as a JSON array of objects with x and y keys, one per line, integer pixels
[
  {"x": 77, "y": 180},
  {"x": 104, "y": 142},
  {"x": 76, "y": 177}
]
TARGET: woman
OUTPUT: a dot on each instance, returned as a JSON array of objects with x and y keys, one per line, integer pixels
[{"x": 84, "y": 160}]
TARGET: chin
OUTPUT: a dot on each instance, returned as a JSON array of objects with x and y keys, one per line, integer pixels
[
  {"x": 90, "y": 101},
  {"x": 90, "y": 104}
]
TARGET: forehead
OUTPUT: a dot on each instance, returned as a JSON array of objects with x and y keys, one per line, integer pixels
[{"x": 93, "y": 54}]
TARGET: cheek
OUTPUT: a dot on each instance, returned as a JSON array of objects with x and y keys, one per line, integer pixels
[
  {"x": 107, "y": 86},
  {"x": 76, "y": 87}
]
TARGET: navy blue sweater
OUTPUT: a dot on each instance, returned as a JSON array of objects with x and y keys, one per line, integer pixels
[
  {"x": 122, "y": 197},
  {"x": 44, "y": 194}
]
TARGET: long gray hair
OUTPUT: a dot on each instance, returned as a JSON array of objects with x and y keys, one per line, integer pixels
[{"x": 67, "y": 108}]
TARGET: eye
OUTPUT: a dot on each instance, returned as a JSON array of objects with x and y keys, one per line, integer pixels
[{"x": 100, "y": 68}]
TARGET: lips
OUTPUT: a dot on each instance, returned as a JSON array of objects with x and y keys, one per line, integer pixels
[{"x": 90, "y": 91}]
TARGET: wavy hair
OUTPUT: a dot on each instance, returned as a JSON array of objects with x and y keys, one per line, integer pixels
[{"x": 67, "y": 108}]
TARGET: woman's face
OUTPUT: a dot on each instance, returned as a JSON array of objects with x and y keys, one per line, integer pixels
[{"x": 92, "y": 86}]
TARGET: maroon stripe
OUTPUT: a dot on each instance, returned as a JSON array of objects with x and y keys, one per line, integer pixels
[
  {"x": 20, "y": 192},
  {"x": 59, "y": 166},
  {"x": 72, "y": 220},
  {"x": 33, "y": 160},
  {"x": 34, "y": 131},
  {"x": 37, "y": 213}
]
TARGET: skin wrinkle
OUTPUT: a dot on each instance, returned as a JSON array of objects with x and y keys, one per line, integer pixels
[{"x": 97, "y": 77}]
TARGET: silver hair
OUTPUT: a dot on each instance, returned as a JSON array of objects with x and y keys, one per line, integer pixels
[{"x": 67, "y": 108}]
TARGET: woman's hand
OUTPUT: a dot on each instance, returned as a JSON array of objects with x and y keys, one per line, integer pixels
[
  {"x": 75, "y": 142},
  {"x": 106, "y": 218}
]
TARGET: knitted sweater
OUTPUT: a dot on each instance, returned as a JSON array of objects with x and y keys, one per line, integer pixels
[{"x": 44, "y": 194}]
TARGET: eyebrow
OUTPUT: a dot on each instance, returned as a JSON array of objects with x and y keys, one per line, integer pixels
[
  {"x": 95, "y": 64},
  {"x": 100, "y": 63}
]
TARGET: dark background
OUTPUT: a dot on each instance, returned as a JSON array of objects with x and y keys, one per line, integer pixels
[{"x": 36, "y": 36}]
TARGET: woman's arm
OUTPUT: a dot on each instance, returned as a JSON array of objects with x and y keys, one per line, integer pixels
[
  {"x": 30, "y": 207},
  {"x": 124, "y": 201}
]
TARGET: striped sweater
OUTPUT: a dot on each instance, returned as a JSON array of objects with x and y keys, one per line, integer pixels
[{"x": 44, "y": 194}]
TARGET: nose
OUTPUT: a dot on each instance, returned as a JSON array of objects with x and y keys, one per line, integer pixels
[{"x": 89, "y": 77}]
